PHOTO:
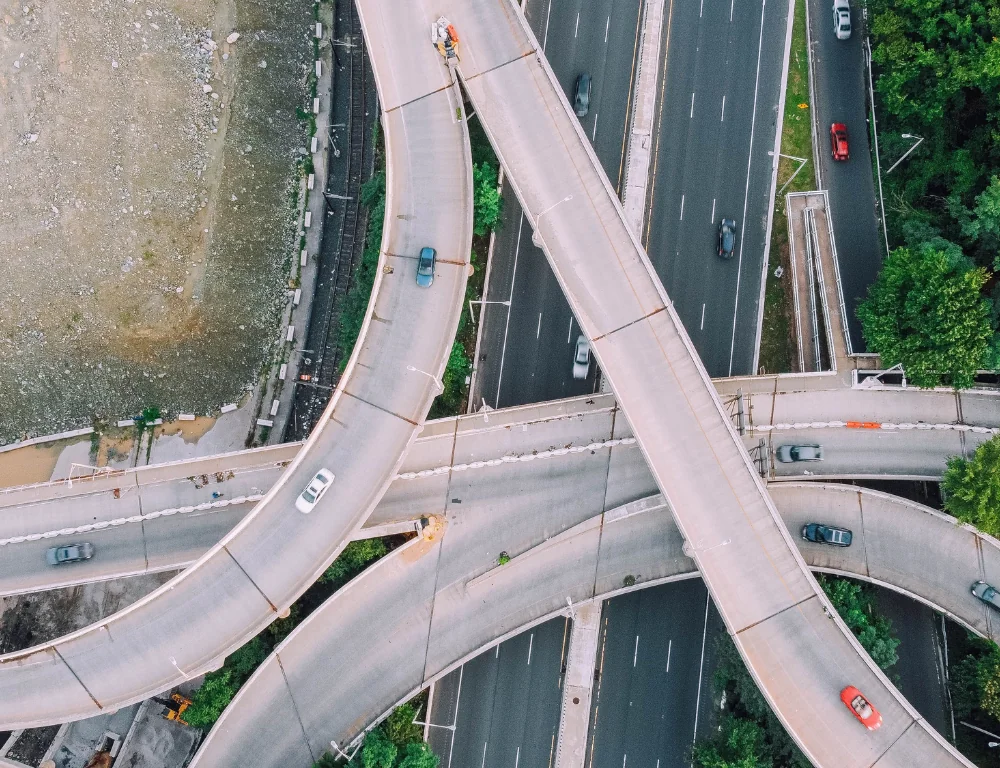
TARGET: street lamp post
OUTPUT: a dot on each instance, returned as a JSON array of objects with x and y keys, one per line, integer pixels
[
  {"x": 473, "y": 314},
  {"x": 917, "y": 144},
  {"x": 435, "y": 379}
]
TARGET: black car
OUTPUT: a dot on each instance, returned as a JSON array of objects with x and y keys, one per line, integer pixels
[
  {"x": 581, "y": 101},
  {"x": 827, "y": 534},
  {"x": 727, "y": 238}
]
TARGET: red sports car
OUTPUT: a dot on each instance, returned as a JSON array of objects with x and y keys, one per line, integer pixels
[
  {"x": 838, "y": 141},
  {"x": 861, "y": 708}
]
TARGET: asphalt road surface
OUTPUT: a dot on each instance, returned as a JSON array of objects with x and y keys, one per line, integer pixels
[
  {"x": 654, "y": 691},
  {"x": 529, "y": 345},
  {"x": 504, "y": 704},
  {"x": 841, "y": 97},
  {"x": 712, "y": 160}
]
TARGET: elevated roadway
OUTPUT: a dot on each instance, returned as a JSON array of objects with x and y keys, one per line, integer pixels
[
  {"x": 164, "y": 517},
  {"x": 260, "y": 567},
  {"x": 431, "y": 605},
  {"x": 770, "y": 603}
]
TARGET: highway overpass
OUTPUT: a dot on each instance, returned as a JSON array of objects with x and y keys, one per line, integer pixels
[
  {"x": 430, "y": 606},
  {"x": 164, "y": 517},
  {"x": 273, "y": 555}
]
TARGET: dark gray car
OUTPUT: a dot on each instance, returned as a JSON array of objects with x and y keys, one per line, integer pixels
[
  {"x": 818, "y": 533},
  {"x": 727, "y": 238},
  {"x": 988, "y": 594},
  {"x": 581, "y": 99},
  {"x": 70, "y": 553}
]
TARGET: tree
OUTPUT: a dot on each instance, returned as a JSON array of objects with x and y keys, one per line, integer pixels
[
  {"x": 926, "y": 311},
  {"x": 378, "y": 751},
  {"x": 974, "y": 680},
  {"x": 352, "y": 560},
  {"x": 855, "y": 604},
  {"x": 740, "y": 745},
  {"x": 419, "y": 755},
  {"x": 972, "y": 487},
  {"x": 486, "y": 201}
]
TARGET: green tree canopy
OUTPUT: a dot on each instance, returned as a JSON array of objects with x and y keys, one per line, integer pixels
[
  {"x": 419, "y": 755},
  {"x": 855, "y": 604},
  {"x": 740, "y": 745},
  {"x": 352, "y": 560},
  {"x": 974, "y": 680},
  {"x": 486, "y": 200},
  {"x": 926, "y": 311},
  {"x": 972, "y": 487}
]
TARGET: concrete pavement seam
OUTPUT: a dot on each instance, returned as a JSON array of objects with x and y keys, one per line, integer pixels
[{"x": 295, "y": 707}]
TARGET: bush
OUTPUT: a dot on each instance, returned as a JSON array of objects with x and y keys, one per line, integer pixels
[
  {"x": 220, "y": 687},
  {"x": 357, "y": 555},
  {"x": 486, "y": 200},
  {"x": 972, "y": 487},
  {"x": 856, "y": 605},
  {"x": 741, "y": 744}
]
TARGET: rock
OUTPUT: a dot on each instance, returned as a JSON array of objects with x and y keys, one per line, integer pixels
[
  {"x": 233, "y": 37},
  {"x": 263, "y": 64},
  {"x": 214, "y": 95},
  {"x": 114, "y": 64},
  {"x": 206, "y": 88}
]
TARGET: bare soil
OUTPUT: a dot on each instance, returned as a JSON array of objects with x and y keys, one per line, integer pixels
[{"x": 146, "y": 222}]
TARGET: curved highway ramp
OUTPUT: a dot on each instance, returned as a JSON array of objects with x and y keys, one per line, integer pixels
[
  {"x": 432, "y": 605},
  {"x": 236, "y": 589}
]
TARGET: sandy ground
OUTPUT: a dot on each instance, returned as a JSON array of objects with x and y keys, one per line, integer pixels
[{"x": 147, "y": 202}]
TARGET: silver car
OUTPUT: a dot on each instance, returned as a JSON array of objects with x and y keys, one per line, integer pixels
[
  {"x": 581, "y": 359},
  {"x": 790, "y": 453},
  {"x": 842, "y": 19},
  {"x": 313, "y": 492},
  {"x": 986, "y": 593},
  {"x": 70, "y": 553}
]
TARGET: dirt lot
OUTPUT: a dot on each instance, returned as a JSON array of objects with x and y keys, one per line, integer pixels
[{"x": 148, "y": 183}]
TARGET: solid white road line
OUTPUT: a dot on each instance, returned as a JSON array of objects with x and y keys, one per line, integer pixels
[
  {"x": 531, "y": 641},
  {"x": 670, "y": 647},
  {"x": 701, "y": 666},
  {"x": 517, "y": 757},
  {"x": 713, "y": 210},
  {"x": 569, "y": 335},
  {"x": 731, "y": 4},
  {"x": 692, "y": 105},
  {"x": 503, "y": 351},
  {"x": 723, "y": 118},
  {"x": 593, "y": 134},
  {"x": 607, "y": 26},
  {"x": 538, "y": 331},
  {"x": 576, "y": 29},
  {"x": 701, "y": 8},
  {"x": 682, "y": 207},
  {"x": 545, "y": 38},
  {"x": 746, "y": 194},
  {"x": 635, "y": 656},
  {"x": 458, "y": 699},
  {"x": 702, "y": 328},
  {"x": 484, "y": 754}
]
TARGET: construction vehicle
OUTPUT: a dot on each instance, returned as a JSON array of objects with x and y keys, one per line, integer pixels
[
  {"x": 175, "y": 707},
  {"x": 445, "y": 38}
]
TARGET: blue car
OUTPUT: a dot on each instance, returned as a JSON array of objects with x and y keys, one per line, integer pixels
[{"x": 425, "y": 267}]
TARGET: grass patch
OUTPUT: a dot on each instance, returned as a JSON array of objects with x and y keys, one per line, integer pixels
[{"x": 777, "y": 341}]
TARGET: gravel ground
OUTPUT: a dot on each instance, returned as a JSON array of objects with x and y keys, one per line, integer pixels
[{"x": 146, "y": 222}]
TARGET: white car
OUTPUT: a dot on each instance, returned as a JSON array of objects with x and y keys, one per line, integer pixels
[
  {"x": 313, "y": 492},
  {"x": 842, "y": 19},
  {"x": 581, "y": 360}
]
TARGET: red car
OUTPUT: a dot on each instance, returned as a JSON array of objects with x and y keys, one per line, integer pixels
[
  {"x": 838, "y": 141},
  {"x": 861, "y": 708}
]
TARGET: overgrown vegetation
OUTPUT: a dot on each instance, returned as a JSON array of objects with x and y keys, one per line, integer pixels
[
  {"x": 972, "y": 487},
  {"x": 751, "y": 736},
  {"x": 356, "y": 301},
  {"x": 777, "y": 340},
  {"x": 395, "y": 743},
  {"x": 221, "y": 686},
  {"x": 974, "y": 683},
  {"x": 937, "y": 77}
]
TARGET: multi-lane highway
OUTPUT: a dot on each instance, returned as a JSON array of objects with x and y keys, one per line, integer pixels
[
  {"x": 271, "y": 557},
  {"x": 431, "y": 605},
  {"x": 714, "y": 158}
]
